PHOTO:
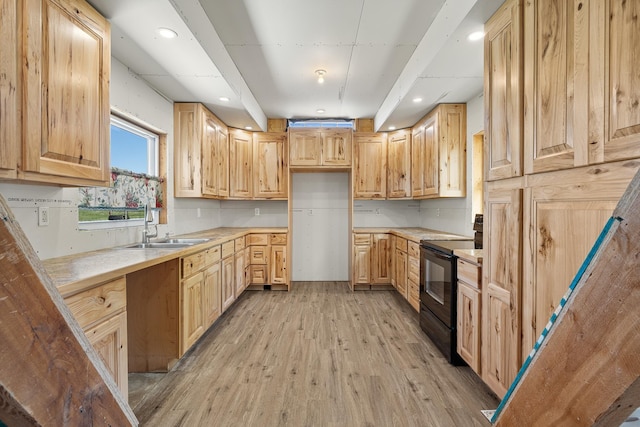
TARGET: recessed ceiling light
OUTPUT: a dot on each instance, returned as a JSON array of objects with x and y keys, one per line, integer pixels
[
  {"x": 167, "y": 33},
  {"x": 416, "y": 100},
  {"x": 248, "y": 127},
  {"x": 320, "y": 74},
  {"x": 320, "y": 111},
  {"x": 392, "y": 128},
  {"x": 475, "y": 36},
  {"x": 224, "y": 99}
]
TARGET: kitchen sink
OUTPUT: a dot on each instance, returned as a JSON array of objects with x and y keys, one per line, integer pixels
[{"x": 168, "y": 244}]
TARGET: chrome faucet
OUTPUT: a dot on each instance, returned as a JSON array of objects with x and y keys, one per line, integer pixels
[{"x": 148, "y": 218}]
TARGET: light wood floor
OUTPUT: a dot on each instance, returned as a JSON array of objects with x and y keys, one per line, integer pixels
[{"x": 319, "y": 355}]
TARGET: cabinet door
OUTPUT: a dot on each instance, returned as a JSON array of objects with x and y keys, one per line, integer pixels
[
  {"x": 187, "y": 124},
  {"x": 9, "y": 97},
  {"x": 212, "y": 293},
  {"x": 429, "y": 151},
  {"x": 305, "y": 148},
  {"x": 192, "y": 315},
  {"x": 401, "y": 272},
  {"x": 209, "y": 155},
  {"x": 362, "y": 264},
  {"x": 622, "y": 115},
  {"x": 239, "y": 267},
  {"x": 336, "y": 147},
  {"x": 66, "y": 107},
  {"x": 270, "y": 171},
  {"x": 241, "y": 164},
  {"x": 452, "y": 150},
  {"x": 565, "y": 223},
  {"x": 468, "y": 335},
  {"x": 417, "y": 161},
  {"x": 228, "y": 283},
  {"x": 222, "y": 153},
  {"x": 370, "y": 166},
  {"x": 381, "y": 254},
  {"x": 561, "y": 57},
  {"x": 503, "y": 92},
  {"x": 501, "y": 295},
  {"x": 413, "y": 283},
  {"x": 109, "y": 339},
  {"x": 278, "y": 265},
  {"x": 399, "y": 162}
]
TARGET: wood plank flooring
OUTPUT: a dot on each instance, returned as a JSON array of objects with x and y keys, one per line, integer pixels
[{"x": 319, "y": 355}]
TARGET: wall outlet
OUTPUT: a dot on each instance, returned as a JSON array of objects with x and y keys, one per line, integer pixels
[
  {"x": 257, "y": 211},
  {"x": 198, "y": 213},
  {"x": 43, "y": 216},
  {"x": 377, "y": 211}
]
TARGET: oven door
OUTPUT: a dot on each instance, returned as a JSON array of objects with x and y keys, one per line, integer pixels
[{"x": 436, "y": 284}]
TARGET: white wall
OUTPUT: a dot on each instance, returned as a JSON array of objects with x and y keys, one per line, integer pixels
[
  {"x": 455, "y": 215},
  {"x": 386, "y": 213}
]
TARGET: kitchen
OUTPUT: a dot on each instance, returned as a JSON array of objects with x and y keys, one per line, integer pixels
[{"x": 130, "y": 94}]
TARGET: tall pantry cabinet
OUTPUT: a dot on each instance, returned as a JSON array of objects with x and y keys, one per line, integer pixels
[{"x": 562, "y": 143}]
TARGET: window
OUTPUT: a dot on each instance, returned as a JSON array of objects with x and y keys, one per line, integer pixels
[
  {"x": 317, "y": 123},
  {"x": 135, "y": 180}
]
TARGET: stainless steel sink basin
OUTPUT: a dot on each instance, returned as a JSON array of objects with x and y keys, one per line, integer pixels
[
  {"x": 160, "y": 245},
  {"x": 168, "y": 244},
  {"x": 183, "y": 241}
]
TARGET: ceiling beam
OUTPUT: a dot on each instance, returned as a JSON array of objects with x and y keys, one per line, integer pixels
[
  {"x": 195, "y": 17},
  {"x": 444, "y": 25}
]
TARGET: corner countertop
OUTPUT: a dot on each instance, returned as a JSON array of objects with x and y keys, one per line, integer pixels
[
  {"x": 471, "y": 255},
  {"x": 414, "y": 234},
  {"x": 74, "y": 273}
]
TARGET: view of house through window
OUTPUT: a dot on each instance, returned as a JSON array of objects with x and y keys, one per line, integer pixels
[{"x": 134, "y": 178}]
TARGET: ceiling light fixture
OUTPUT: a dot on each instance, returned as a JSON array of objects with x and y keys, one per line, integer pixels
[
  {"x": 320, "y": 74},
  {"x": 417, "y": 100},
  {"x": 167, "y": 33},
  {"x": 320, "y": 111},
  {"x": 475, "y": 36},
  {"x": 248, "y": 127},
  {"x": 224, "y": 99},
  {"x": 392, "y": 128}
]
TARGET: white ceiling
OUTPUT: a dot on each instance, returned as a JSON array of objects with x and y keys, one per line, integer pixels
[{"x": 379, "y": 55}]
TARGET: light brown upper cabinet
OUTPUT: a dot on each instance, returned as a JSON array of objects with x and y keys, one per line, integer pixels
[
  {"x": 503, "y": 92},
  {"x": 399, "y": 164},
  {"x": 270, "y": 171},
  {"x": 320, "y": 148},
  {"x": 582, "y": 104},
  {"x": 370, "y": 166},
  {"x": 439, "y": 154},
  {"x": 201, "y": 152},
  {"x": 215, "y": 157},
  {"x": 65, "y": 91},
  {"x": 241, "y": 163},
  {"x": 9, "y": 96}
]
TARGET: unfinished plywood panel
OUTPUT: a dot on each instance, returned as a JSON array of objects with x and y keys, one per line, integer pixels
[
  {"x": 586, "y": 371},
  {"x": 50, "y": 373}
]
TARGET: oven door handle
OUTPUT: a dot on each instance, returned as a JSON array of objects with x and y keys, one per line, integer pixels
[{"x": 439, "y": 255}]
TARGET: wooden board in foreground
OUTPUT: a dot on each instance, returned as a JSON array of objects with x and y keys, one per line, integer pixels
[
  {"x": 586, "y": 372},
  {"x": 50, "y": 374}
]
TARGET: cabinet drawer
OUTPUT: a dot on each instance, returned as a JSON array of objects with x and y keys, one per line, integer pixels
[
  {"x": 228, "y": 248},
  {"x": 361, "y": 239},
  {"x": 193, "y": 263},
  {"x": 414, "y": 269},
  {"x": 401, "y": 243},
  {"x": 258, "y": 255},
  {"x": 258, "y": 274},
  {"x": 414, "y": 249},
  {"x": 278, "y": 239},
  {"x": 98, "y": 303},
  {"x": 212, "y": 255},
  {"x": 470, "y": 273},
  {"x": 240, "y": 243},
  {"x": 258, "y": 239}
]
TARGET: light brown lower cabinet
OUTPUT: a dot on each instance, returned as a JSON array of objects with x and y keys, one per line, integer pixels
[
  {"x": 278, "y": 264},
  {"x": 469, "y": 305},
  {"x": 101, "y": 312},
  {"x": 228, "y": 282},
  {"x": 413, "y": 275},
  {"x": 192, "y": 310},
  {"x": 212, "y": 293},
  {"x": 401, "y": 271}
]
